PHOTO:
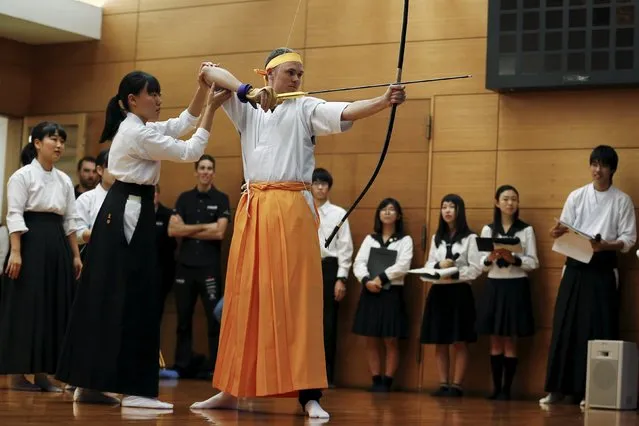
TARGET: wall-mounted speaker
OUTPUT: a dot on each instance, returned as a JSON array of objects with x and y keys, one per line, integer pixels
[{"x": 550, "y": 44}]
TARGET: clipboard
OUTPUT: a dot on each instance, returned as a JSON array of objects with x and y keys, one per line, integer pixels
[
  {"x": 379, "y": 259},
  {"x": 488, "y": 244},
  {"x": 575, "y": 244}
]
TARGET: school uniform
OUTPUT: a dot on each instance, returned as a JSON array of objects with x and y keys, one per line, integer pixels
[
  {"x": 35, "y": 307},
  {"x": 166, "y": 247},
  {"x": 336, "y": 264},
  {"x": 199, "y": 272},
  {"x": 587, "y": 306},
  {"x": 449, "y": 313},
  {"x": 113, "y": 338},
  {"x": 383, "y": 314},
  {"x": 506, "y": 304}
]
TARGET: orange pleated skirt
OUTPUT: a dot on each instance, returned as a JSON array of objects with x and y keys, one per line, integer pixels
[{"x": 272, "y": 337}]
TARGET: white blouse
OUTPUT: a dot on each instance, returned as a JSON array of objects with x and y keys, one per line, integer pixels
[
  {"x": 33, "y": 189},
  {"x": 467, "y": 262},
  {"x": 529, "y": 259},
  {"x": 610, "y": 213},
  {"x": 395, "y": 273},
  {"x": 341, "y": 246},
  {"x": 89, "y": 204},
  {"x": 138, "y": 148}
]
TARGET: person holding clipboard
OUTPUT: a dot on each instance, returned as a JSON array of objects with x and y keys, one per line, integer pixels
[
  {"x": 506, "y": 306},
  {"x": 587, "y": 305},
  {"x": 381, "y": 263},
  {"x": 449, "y": 313}
]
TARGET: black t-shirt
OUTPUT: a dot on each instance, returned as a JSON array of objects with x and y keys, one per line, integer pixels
[
  {"x": 165, "y": 245},
  {"x": 201, "y": 207}
]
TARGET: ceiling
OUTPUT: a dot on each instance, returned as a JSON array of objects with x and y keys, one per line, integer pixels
[{"x": 50, "y": 21}]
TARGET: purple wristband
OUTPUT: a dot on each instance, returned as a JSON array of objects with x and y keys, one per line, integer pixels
[{"x": 243, "y": 91}]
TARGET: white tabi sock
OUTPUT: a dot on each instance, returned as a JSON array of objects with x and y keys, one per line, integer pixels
[
  {"x": 142, "y": 402},
  {"x": 220, "y": 401}
]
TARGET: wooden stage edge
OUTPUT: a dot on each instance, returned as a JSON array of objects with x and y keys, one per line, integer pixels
[{"x": 346, "y": 406}]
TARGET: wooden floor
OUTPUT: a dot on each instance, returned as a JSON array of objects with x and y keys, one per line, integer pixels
[{"x": 347, "y": 407}]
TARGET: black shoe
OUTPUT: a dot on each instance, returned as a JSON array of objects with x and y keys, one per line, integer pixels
[
  {"x": 455, "y": 392},
  {"x": 503, "y": 396},
  {"x": 387, "y": 382},
  {"x": 378, "y": 385},
  {"x": 441, "y": 392},
  {"x": 495, "y": 395}
]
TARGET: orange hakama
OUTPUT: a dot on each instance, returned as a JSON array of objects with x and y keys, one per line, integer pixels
[{"x": 271, "y": 339}]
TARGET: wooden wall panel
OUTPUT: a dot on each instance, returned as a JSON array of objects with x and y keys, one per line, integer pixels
[
  {"x": 339, "y": 23},
  {"x": 468, "y": 174},
  {"x": 356, "y": 65},
  {"x": 178, "y": 77},
  {"x": 116, "y": 45},
  {"x": 562, "y": 120},
  {"x": 15, "y": 86},
  {"x": 82, "y": 88},
  {"x": 120, "y": 6},
  {"x": 149, "y": 5},
  {"x": 409, "y": 132},
  {"x": 215, "y": 25},
  {"x": 466, "y": 123}
]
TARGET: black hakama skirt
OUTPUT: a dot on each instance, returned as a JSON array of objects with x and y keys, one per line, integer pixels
[
  {"x": 113, "y": 339},
  {"x": 505, "y": 308},
  {"x": 449, "y": 315},
  {"x": 586, "y": 309},
  {"x": 381, "y": 314},
  {"x": 35, "y": 307}
]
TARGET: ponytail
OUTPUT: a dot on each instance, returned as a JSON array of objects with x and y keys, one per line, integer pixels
[
  {"x": 132, "y": 84},
  {"x": 114, "y": 116},
  {"x": 28, "y": 154}
]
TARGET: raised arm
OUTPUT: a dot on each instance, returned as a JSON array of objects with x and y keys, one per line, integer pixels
[{"x": 361, "y": 109}]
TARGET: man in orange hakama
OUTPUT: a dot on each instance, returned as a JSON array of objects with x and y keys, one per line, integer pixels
[{"x": 271, "y": 339}]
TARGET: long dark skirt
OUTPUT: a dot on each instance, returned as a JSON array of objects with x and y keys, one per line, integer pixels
[
  {"x": 586, "y": 309},
  {"x": 506, "y": 308},
  {"x": 112, "y": 344},
  {"x": 35, "y": 307},
  {"x": 449, "y": 315},
  {"x": 381, "y": 314}
]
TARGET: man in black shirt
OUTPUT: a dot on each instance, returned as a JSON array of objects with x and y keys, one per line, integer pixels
[
  {"x": 200, "y": 220},
  {"x": 87, "y": 175}
]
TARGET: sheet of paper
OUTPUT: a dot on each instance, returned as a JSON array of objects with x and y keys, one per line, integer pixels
[
  {"x": 434, "y": 275},
  {"x": 574, "y": 245}
]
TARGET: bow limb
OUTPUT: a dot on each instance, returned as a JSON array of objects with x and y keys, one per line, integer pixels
[{"x": 389, "y": 132}]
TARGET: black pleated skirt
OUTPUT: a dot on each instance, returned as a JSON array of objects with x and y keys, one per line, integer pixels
[
  {"x": 505, "y": 308},
  {"x": 35, "y": 307},
  {"x": 586, "y": 309},
  {"x": 381, "y": 314},
  {"x": 449, "y": 315},
  {"x": 112, "y": 343}
]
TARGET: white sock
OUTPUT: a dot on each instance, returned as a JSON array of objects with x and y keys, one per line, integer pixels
[
  {"x": 143, "y": 402},
  {"x": 91, "y": 396},
  {"x": 315, "y": 411},
  {"x": 219, "y": 401},
  {"x": 551, "y": 398}
]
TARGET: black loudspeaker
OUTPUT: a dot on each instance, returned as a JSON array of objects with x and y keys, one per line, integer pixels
[{"x": 551, "y": 44}]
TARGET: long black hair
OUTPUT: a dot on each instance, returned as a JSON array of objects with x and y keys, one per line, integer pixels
[
  {"x": 497, "y": 225},
  {"x": 132, "y": 84},
  {"x": 399, "y": 223},
  {"x": 462, "y": 229},
  {"x": 39, "y": 132}
]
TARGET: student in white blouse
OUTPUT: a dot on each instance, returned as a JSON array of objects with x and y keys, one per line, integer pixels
[
  {"x": 44, "y": 261},
  {"x": 90, "y": 202},
  {"x": 449, "y": 312},
  {"x": 113, "y": 338},
  {"x": 506, "y": 306},
  {"x": 381, "y": 315},
  {"x": 587, "y": 306},
  {"x": 336, "y": 261}
]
